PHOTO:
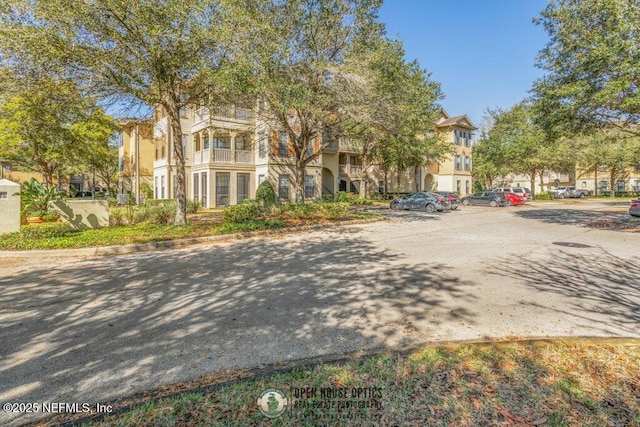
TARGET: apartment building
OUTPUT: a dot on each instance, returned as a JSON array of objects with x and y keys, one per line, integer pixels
[
  {"x": 135, "y": 156},
  {"x": 229, "y": 151}
]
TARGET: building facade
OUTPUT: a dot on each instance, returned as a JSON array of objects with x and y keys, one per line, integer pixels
[
  {"x": 135, "y": 157},
  {"x": 229, "y": 152}
]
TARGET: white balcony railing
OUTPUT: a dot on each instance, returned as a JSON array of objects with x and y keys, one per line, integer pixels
[
  {"x": 222, "y": 155},
  {"x": 355, "y": 169},
  {"x": 244, "y": 157},
  {"x": 350, "y": 169}
]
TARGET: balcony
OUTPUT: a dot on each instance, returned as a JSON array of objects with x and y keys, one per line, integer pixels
[
  {"x": 236, "y": 117},
  {"x": 351, "y": 146},
  {"x": 223, "y": 155},
  {"x": 350, "y": 169}
]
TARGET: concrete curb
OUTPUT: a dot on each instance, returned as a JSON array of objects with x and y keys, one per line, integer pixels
[{"x": 178, "y": 243}]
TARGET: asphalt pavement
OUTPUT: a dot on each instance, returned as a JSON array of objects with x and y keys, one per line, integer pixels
[{"x": 92, "y": 329}]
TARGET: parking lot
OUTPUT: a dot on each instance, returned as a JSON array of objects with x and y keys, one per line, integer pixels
[{"x": 97, "y": 329}]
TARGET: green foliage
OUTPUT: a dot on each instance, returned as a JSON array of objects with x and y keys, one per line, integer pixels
[
  {"x": 477, "y": 187},
  {"x": 243, "y": 212},
  {"x": 344, "y": 197},
  {"x": 163, "y": 213},
  {"x": 313, "y": 210},
  {"x": 146, "y": 191},
  {"x": 46, "y": 231},
  {"x": 591, "y": 64},
  {"x": 543, "y": 196},
  {"x": 362, "y": 201},
  {"x": 250, "y": 225},
  {"x": 193, "y": 206},
  {"x": 265, "y": 196},
  {"x": 35, "y": 198}
]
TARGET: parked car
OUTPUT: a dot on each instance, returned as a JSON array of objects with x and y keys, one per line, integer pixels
[
  {"x": 490, "y": 198},
  {"x": 514, "y": 199},
  {"x": 634, "y": 208},
  {"x": 453, "y": 198},
  {"x": 525, "y": 193},
  {"x": 429, "y": 202},
  {"x": 568, "y": 191}
]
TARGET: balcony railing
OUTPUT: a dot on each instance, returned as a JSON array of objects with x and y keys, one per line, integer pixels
[
  {"x": 244, "y": 157},
  {"x": 350, "y": 169},
  {"x": 225, "y": 112},
  {"x": 222, "y": 155}
]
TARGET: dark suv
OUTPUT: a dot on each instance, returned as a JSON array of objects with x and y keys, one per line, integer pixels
[{"x": 490, "y": 198}]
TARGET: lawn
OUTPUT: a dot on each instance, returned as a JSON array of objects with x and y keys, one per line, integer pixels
[
  {"x": 59, "y": 236},
  {"x": 551, "y": 383}
]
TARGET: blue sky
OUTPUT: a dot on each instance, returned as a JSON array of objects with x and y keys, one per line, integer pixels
[{"x": 482, "y": 52}]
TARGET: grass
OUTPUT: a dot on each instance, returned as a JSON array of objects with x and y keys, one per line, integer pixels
[
  {"x": 53, "y": 236},
  {"x": 549, "y": 383}
]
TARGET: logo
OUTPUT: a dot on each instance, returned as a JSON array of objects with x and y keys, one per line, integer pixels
[{"x": 272, "y": 403}]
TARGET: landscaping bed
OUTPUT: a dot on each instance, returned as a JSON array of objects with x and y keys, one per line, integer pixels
[{"x": 552, "y": 383}]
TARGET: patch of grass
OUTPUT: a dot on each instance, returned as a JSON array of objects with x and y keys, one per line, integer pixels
[{"x": 506, "y": 383}]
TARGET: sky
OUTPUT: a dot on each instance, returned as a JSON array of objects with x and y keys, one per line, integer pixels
[{"x": 482, "y": 52}]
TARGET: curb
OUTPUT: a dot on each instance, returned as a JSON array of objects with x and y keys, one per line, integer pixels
[{"x": 178, "y": 243}]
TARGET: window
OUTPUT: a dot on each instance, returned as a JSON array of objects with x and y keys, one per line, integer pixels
[
  {"x": 184, "y": 145},
  {"x": 467, "y": 163},
  {"x": 262, "y": 146},
  {"x": 310, "y": 149},
  {"x": 458, "y": 186},
  {"x": 120, "y": 164},
  {"x": 163, "y": 148},
  {"x": 243, "y": 187},
  {"x": 603, "y": 185},
  {"x": 3, "y": 195},
  {"x": 206, "y": 142},
  {"x": 283, "y": 144},
  {"x": 162, "y": 187},
  {"x": 203, "y": 195},
  {"x": 309, "y": 188},
  {"x": 241, "y": 143},
  {"x": 620, "y": 185},
  {"x": 222, "y": 142},
  {"x": 196, "y": 186},
  {"x": 467, "y": 186},
  {"x": 183, "y": 111},
  {"x": 458, "y": 163},
  {"x": 155, "y": 188},
  {"x": 283, "y": 186},
  {"x": 155, "y": 149},
  {"x": 222, "y": 189},
  {"x": 260, "y": 179},
  {"x": 381, "y": 186}
]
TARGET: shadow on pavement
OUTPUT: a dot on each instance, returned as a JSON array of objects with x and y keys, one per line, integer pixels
[
  {"x": 585, "y": 289},
  {"x": 619, "y": 221},
  {"x": 115, "y": 326}
]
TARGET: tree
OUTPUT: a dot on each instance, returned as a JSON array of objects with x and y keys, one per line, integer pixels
[
  {"x": 160, "y": 53},
  {"x": 305, "y": 73},
  {"x": 45, "y": 129},
  {"x": 593, "y": 65}
]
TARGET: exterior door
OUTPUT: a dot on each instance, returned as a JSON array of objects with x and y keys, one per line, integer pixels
[{"x": 243, "y": 187}]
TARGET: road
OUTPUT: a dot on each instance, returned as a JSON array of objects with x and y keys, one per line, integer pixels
[{"x": 95, "y": 329}]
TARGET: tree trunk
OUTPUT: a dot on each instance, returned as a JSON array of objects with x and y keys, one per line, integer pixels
[
  {"x": 541, "y": 176},
  {"x": 299, "y": 185},
  {"x": 612, "y": 181},
  {"x": 398, "y": 179},
  {"x": 386, "y": 180},
  {"x": 595, "y": 181},
  {"x": 176, "y": 139},
  {"x": 532, "y": 182}
]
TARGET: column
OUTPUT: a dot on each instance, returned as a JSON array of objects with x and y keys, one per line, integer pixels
[{"x": 233, "y": 146}]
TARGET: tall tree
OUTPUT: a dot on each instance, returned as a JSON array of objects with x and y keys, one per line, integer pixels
[
  {"x": 160, "y": 53},
  {"x": 303, "y": 72},
  {"x": 46, "y": 128},
  {"x": 593, "y": 65}
]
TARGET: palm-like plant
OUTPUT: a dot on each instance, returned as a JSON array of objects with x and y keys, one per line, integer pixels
[{"x": 36, "y": 198}]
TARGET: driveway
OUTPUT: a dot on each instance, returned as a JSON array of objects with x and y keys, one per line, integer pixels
[{"x": 93, "y": 330}]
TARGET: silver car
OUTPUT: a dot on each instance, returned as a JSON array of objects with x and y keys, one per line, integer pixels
[
  {"x": 429, "y": 202},
  {"x": 634, "y": 208}
]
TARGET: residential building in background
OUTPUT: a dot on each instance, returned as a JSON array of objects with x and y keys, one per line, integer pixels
[
  {"x": 230, "y": 150},
  {"x": 135, "y": 156}
]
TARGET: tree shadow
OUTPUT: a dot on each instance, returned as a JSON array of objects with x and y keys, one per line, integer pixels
[
  {"x": 98, "y": 329},
  {"x": 590, "y": 291},
  {"x": 619, "y": 221}
]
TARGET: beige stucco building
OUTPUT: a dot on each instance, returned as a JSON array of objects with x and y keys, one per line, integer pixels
[
  {"x": 229, "y": 151},
  {"x": 135, "y": 156}
]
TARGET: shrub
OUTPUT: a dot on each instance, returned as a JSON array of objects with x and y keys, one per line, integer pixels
[
  {"x": 362, "y": 201},
  {"x": 297, "y": 210},
  {"x": 163, "y": 213},
  {"x": 243, "y": 212},
  {"x": 343, "y": 196},
  {"x": 117, "y": 217},
  {"x": 146, "y": 191},
  {"x": 46, "y": 231},
  {"x": 543, "y": 196},
  {"x": 265, "y": 196},
  {"x": 193, "y": 206},
  {"x": 334, "y": 210}
]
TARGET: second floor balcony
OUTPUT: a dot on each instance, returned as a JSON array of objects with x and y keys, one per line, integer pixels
[
  {"x": 350, "y": 169},
  {"x": 227, "y": 113},
  {"x": 223, "y": 155}
]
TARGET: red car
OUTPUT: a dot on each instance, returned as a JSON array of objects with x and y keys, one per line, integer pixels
[{"x": 513, "y": 199}]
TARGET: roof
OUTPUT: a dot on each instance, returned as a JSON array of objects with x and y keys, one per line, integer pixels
[{"x": 461, "y": 121}]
